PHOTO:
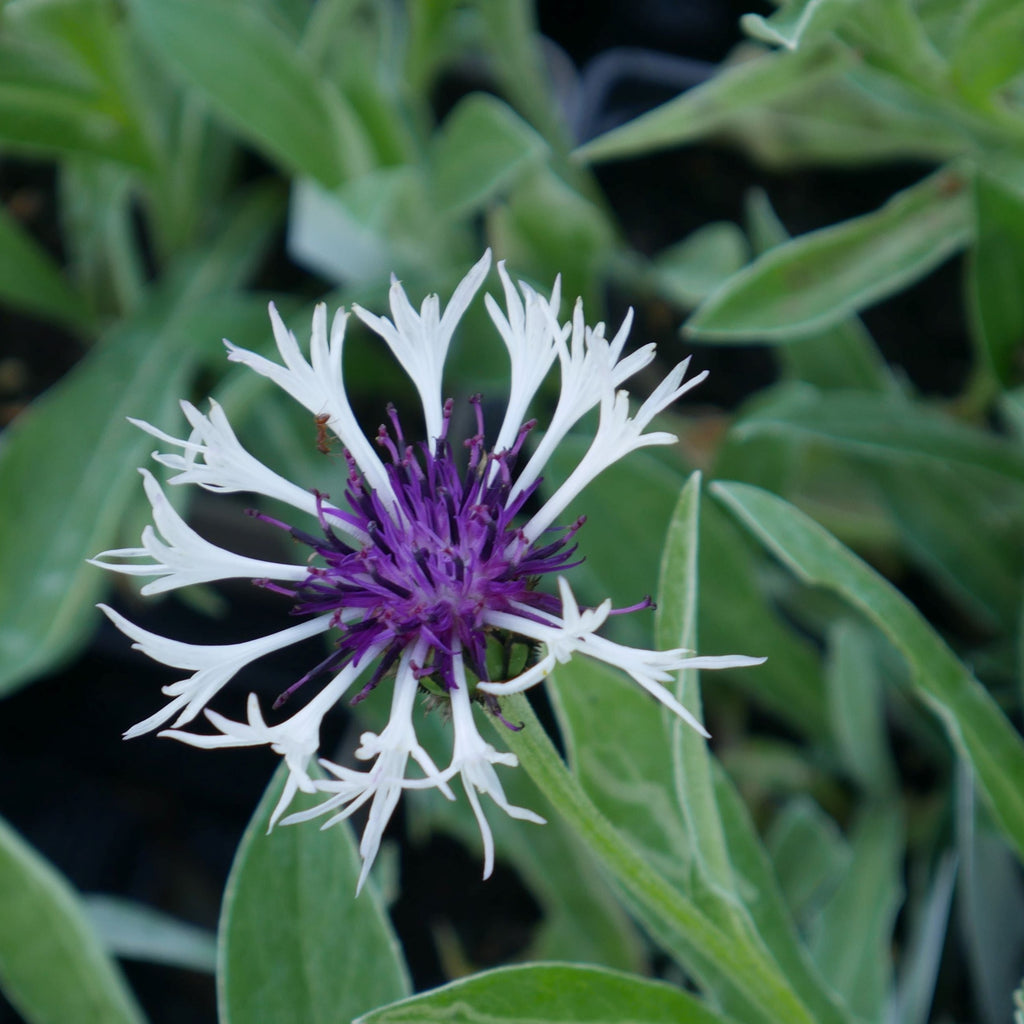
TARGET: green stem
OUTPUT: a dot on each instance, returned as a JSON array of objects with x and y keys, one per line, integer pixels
[{"x": 704, "y": 948}]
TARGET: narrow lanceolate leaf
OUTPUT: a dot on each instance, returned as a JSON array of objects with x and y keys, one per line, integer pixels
[
  {"x": 549, "y": 994},
  {"x": 882, "y": 427},
  {"x": 677, "y": 627},
  {"x": 821, "y": 278},
  {"x": 737, "y": 89},
  {"x": 135, "y": 931},
  {"x": 480, "y": 150},
  {"x": 852, "y": 940},
  {"x": 841, "y": 356},
  {"x": 796, "y": 23},
  {"x": 977, "y": 727},
  {"x": 255, "y": 78},
  {"x": 67, "y": 464},
  {"x": 995, "y": 276},
  {"x": 30, "y": 280},
  {"x": 295, "y": 942},
  {"x": 53, "y": 968}
]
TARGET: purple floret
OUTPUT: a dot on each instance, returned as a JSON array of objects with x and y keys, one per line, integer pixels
[{"x": 447, "y": 552}]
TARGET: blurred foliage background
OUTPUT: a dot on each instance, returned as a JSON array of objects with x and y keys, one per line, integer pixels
[{"x": 828, "y": 197}]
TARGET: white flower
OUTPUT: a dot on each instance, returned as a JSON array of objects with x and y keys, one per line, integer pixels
[{"x": 423, "y": 562}]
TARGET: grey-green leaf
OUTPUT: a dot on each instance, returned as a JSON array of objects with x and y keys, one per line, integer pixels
[
  {"x": 976, "y": 725},
  {"x": 883, "y": 427},
  {"x": 296, "y": 944},
  {"x": 545, "y": 993},
  {"x": 853, "y": 937},
  {"x": 740, "y": 87},
  {"x": 31, "y": 281},
  {"x": 995, "y": 276},
  {"x": 819, "y": 279},
  {"x": 257, "y": 80},
  {"x": 797, "y": 22},
  {"x": 68, "y": 464},
  {"x": 53, "y": 967},
  {"x": 137, "y": 932},
  {"x": 479, "y": 151},
  {"x": 688, "y": 272}
]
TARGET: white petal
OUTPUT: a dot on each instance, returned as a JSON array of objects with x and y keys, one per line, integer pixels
[
  {"x": 617, "y": 435},
  {"x": 384, "y": 782},
  {"x": 577, "y": 633},
  {"x": 473, "y": 759},
  {"x": 213, "y": 458},
  {"x": 531, "y": 334},
  {"x": 182, "y": 557},
  {"x": 213, "y": 665},
  {"x": 420, "y": 341},
  {"x": 319, "y": 387}
]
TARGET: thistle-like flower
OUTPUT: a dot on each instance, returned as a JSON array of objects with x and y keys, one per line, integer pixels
[{"x": 435, "y": 550}]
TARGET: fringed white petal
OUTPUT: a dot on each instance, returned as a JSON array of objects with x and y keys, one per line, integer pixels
[
  {"x": 212, "y": 665},
  {"x": 591, "y": 369},
  {"x": 214, "y": 459},
  {"x": 383, "y": 784},
  {"x": 576, "y": 632},
  {"x": 319, "y": 385},
  {"x": 420, "y": 341},
  {"x": 617, "y": 435},
  {"x": 473, "y": 760},
  {"x": 182, "y": 557},
  {"x": 296, "y": 739},
  {"x": 532, "y": 336}
]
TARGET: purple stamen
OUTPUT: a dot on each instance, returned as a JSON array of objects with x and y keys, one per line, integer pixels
[{"x": 446, "y": 553}]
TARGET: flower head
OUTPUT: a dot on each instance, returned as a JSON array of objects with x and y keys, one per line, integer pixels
[{"x": 435, "y": 550}]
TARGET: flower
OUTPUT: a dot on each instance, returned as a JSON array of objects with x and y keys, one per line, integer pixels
[{"x": 436, "y": 551}]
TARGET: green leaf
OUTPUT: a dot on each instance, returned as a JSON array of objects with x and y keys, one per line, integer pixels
[
  {"x": 30, "y": 280},
  {"x": 478, "y": 153},
  {"x": 927, "y": 932},
  {"x": 549, "y": 994},
  {"x": 809, "y": 854},
  {"x": 821, "y": 278},
  {"x": 857, "y": 706},
  {"x": 764, "y": 901},
  {"x": 790, "y": 683},
  {"x": 256, "y": 79},
  {"x": 842, "y": 356},
  {"x": 295, "y": 942},
  {"x": 980, "y": 568},
  {"x": 995, "y": 277},
  {"x": 988, "y": 50},
  {"x": 797, "y": 22},
  {"x": 652, "y": 776},
  {"x": 749, "y": 85},
  {"x": 65, "y": 85},
  {"x": 990, "y": 900},
  {"x": 886, "y": 428},
  {"x": 72, "y": 450},
  {"x": 977, "y": 727},
  {"x": 686, "y": 273},
  {"x": 546, "y": 227},
  {"x": 619, "y": 745},
  {"x": 136, "y": 932},
  {"x": 53, "y": 968},
  {"x": 676, "y": 626},
  {"x": 358, "y": 234},
  {"x": 852, "y": 940}
]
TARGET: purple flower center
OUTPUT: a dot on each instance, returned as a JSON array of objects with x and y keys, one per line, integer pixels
[{"x": 438, "y": 559}]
